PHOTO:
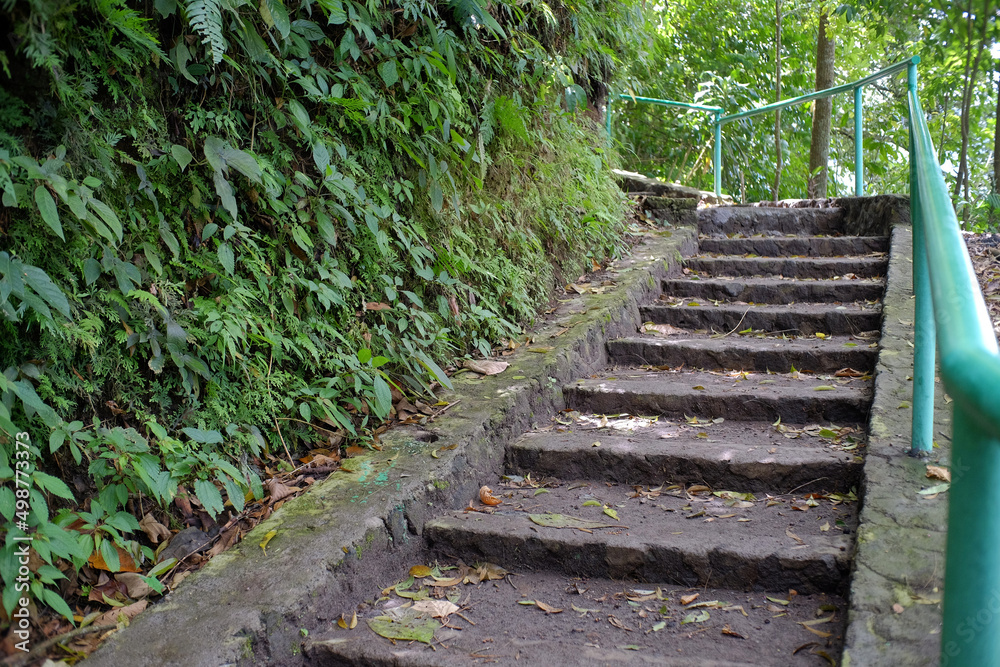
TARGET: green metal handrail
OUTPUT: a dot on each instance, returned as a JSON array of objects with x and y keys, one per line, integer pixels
[
  {"x": 720, "y": 119},
  {"x": 949, "y": 312},
  {"x": 970, "y": 368}
]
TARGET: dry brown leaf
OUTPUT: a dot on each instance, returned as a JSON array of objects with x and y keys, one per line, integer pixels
[
  {"x": 788, "y": 531},
  {"x": 848, "y": 373},
  {"x": 898, "y": 608},
  {"x": 662, "y": 329},
  {"x": 490, "y": 571},
  {"x": 698, "y": 488},
  {"x": 486, "y": 496},
  {"x": 818, "y": 633},
  {"x": 279, "y": 491},
  {"x": 129, "y": 612},
  {"x": 436, "y": 608},
  {"x": 134, "y": 583},
  {"x": 126, "y": 563},
  {"x": 372, "y": 305},
  {"x": 937, "y": 472},
  {"x": 154, "y": 529},
  {"x": 726, "y": 630},
  {"x": 547, "y": 608},
  {"x": 485, "y": 367},
  {"x": 688, "y": 599},
  {"x": 225, "y": 541}
]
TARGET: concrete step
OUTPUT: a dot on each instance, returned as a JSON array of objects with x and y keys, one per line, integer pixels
[
  {"x": 622, "y": 623},
  {"x": 658, "y": 536},
  {"x": 751, "y": 456},
  {"x": 800, "y": 318},
  {"x": 726, "y": 220},
  {"x": 818, "y": 268},
  {"x": 744, "y": 353},
  {"x": 775, "y": 290},
  {"x": 737, "y": 396},
  {"x": 808, "y": 246}
]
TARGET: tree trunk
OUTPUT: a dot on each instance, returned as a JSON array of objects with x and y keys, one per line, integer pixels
[
  {"x": 971, "y": 69},
  {"x": 777, "y": 98},
  {"x": 819, "y": 149}
]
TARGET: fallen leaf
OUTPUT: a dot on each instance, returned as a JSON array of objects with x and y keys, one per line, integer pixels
[
  {"x": 662, "y": 329},
  {"x": 420, "y": 571},
  {"x": 279, "y": 491},
  {"x": 490, "y": 572},
  {"x": 552, "y": 520},
  {"x": 372, "y": 305},
  {"x": 777, "y": 600},
  {"x": 611, "y": 513},
  {"x": 154, "y": 529},
  {"x": 125, "y": 561},
  {"x": 409, "y": 627},
  {"x": 825, "y": 526},
  {"x": 688, "y": 599},
  {"x": 848, "y": 373},
  {"x": 436, "y": 608},
  {"x": 824, "y": 387},
  {"x": 485, "y": 367},
  {"x": 698, "y": 387},
  {"x": 659, "y": 626},
  {"x": 726, "y": 630},
  {"x": 593, "y": 503},
  {"x": 696, "y": 617},
  {"x": 486, "y": 496},
  {"x": 267, "y": 539},
  {"x": 613, "y": 620},
  {"x": 135, "y": 583},
  {"x": 698, "y": 488},
  {"x": 934, "y": 490},
  {"x": 898, "y": 608},
  {"x": 127, "y": 613},
  {"x": 937, "y": 472},
  {"x": 818, "y": 633},
  {"x": 548, "y": 609}
]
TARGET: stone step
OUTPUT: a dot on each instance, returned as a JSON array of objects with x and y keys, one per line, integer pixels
[
  {"x": 726, "y": 220},
  {"x": 800, "y": 318},
  {"x": 739, "y": 396},
  {"x": 775, "y": 290},
  {"x": 744, "y": 353},
  {"x": 750, "y": 456},
  {"x": 818, "y": 268},
  {"x": 657, "y": 536},
  {"x": 808, "y": 246},
  {"x": 621, "y": 623}
]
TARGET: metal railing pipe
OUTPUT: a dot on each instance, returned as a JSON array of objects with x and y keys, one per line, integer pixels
[
  {"x": 859, "y": 146},
  {"x": 970, "y": 368},
  {"x": 717, "y": 155},
  {"x": 670, "y": 103},
  {"x": 820, "y": 94}
]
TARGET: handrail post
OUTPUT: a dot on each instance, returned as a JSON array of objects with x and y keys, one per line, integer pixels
[
  {"x": 717, "y": 155},
  {"x": 922, "y": 424},
  {"x": 607, "y": 118},
  {"x": 859, "y": 146}
]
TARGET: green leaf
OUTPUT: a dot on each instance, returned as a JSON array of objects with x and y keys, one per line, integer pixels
[
  {"x": 181, "y": 155},
  {"x": 409, "y": 627},
  {"x": 383, "y": 397},
  {"x": 53, "y": 485},
  {"x": 434, "y": 369},
  {"x": 275, "y": 10},
  {"x": 110, "y": 555},
  {"x": 108, "y": 216},
  {"x": 226, "y": 258},
  {"x": 364, "y": 355},
  {"x": 437, "y": 196},
  {"x": 326, "y": 229},
  {"x": 696, "y": 617},
  {"x": 39, "y": 281},
  {"x": 8, "y": 504},
  {"x": 205, "y": 437},
  {"x": 209, "y": 496},
  {"x": 123, "y": 521},
  {"x": 387, "y": 71},
  {"x": 47, "y": 207},
  {"x": 160, "y": 568},
  {"x": 58, "y": 605},
  {"x": 551, "y": 520}
]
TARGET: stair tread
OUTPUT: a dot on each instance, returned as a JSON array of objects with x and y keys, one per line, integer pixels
[
  {"x": 800, "y": 318},
  {"x": 507, "y": 632},
  {"x": 750, "y": 396},
  {"x": 659, "y": 535},
  {"x": 753, "y": 456}
]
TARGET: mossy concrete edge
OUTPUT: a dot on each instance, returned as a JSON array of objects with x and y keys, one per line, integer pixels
[
  {"x": 333, "y": 544},
  {"x": 897, "y": 582}
]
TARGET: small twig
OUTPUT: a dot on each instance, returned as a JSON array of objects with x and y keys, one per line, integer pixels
[
  {"x": 806, "y": 484},
  {"x": 282, "y": 438},
  {"x": 309, "y": 424},
  {"x": 39, "y": 650},
  {"x": 443, "y": 410},
  {"x": 462, "y": 616},
  {"x": 737, "y": 324}
]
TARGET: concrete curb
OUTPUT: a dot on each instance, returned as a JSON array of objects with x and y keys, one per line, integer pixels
[
  {"x": 334, "y": 543},
  {"x": 899, "y": 557}
]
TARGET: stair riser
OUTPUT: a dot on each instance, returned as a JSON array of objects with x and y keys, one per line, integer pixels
[
  {"x": 790, "y": 222},
  {"x": 787, "y": 291},
  {"x": 819, "y": 269},
  {"x": 722, "y": 320},
  {"x": 784, "y": 247},
  {"x": 634, "y": 353},
  {"x": 821, "y": 406},
  {"x": 593, "y": 557},
  {"x": 598, "y": 463}
]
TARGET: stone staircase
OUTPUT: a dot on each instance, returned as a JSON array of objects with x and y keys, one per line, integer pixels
[{"x": 694, "y": 503}]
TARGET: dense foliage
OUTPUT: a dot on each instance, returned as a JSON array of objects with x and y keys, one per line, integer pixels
[
  {"x": 722, "y": 52},
  {"x": 232, "y": 227}
]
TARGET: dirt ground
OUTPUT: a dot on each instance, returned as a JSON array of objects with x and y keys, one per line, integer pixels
[{"x": 984, "y": 249}]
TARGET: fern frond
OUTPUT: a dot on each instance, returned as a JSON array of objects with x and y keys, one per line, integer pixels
[
  {"x": 131, "y": 24},
  {"x": 205, "y": 17}
]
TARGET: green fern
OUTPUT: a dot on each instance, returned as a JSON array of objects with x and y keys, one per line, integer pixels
[{"x": 205, "y": 17}]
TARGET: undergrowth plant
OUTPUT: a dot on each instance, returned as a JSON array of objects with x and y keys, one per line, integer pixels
[{"x": 229, "y": 227}]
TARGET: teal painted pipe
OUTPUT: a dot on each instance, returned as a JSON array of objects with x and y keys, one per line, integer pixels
[
  {"x": 717, "y": 155},
  {"x": 859, "y": 146},
  {"x": 819, "y": 94},
  {"x": 670, "y": 103},
  {"x": 970, "y": 368},
  {"x": 922, "y": 418},
  {"x": 607, "y": 118}
]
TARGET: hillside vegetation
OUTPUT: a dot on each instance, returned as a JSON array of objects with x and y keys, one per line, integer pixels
[{"x": 234, "y": 228}]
